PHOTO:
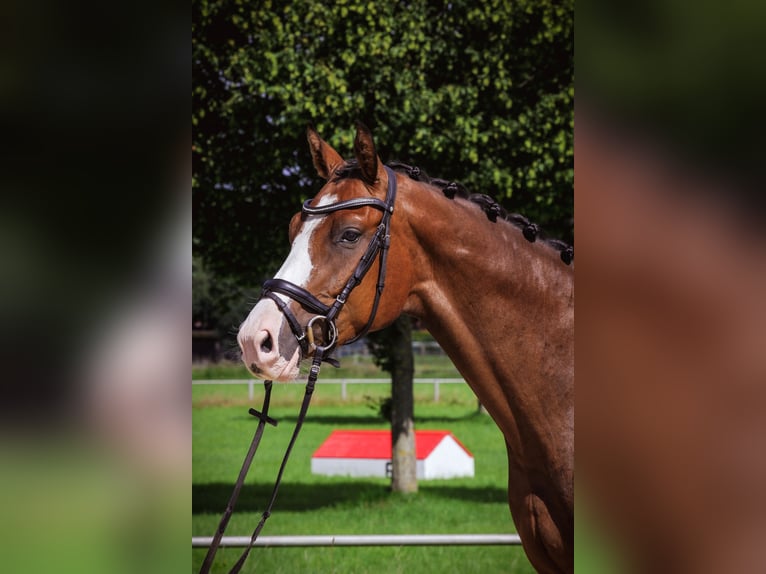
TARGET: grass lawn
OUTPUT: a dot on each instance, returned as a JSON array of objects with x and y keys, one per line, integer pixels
[{"x": 309, "y": 504}]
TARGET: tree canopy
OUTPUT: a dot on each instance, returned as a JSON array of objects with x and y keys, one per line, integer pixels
[{"x": 481, "y": 93}]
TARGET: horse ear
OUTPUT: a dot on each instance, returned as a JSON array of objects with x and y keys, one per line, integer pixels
[
  {"x": 325, "y": 158},
  {"x": 364, "y": 150}
]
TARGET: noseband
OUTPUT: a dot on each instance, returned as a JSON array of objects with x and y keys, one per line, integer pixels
[{"x": 327, "y": 314}]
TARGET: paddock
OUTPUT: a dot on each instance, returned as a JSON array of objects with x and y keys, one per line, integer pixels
[{"x": 337, "y": 507}]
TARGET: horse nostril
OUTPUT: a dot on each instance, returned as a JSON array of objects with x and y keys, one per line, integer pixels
[{"x": 267, "y": 344}]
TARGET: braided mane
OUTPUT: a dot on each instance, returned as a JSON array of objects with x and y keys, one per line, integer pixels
[{"x": 492, "y": 208}]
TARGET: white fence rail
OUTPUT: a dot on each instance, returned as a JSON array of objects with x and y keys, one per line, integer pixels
[
  {"x": 366, "y": 540},
  {"x": 251, "y": 383}
]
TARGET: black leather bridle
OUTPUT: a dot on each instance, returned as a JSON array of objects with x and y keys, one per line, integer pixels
[
  {"x": 378, "y": 247},
  {"x": 324, "y": 313}
]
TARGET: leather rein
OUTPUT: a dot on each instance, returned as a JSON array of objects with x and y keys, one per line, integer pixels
[{"x": 323, "y": 313}]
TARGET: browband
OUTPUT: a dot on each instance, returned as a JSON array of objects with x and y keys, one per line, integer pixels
[{"x": 348, "y": 204}]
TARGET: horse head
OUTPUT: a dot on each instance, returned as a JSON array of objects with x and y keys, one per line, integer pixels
[{"x": 326, "y": 292}]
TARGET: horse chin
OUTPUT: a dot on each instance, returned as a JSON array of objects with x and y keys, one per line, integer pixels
[
  {"x": 286, "y": 370},
  {"x": 281, "y": 370}
]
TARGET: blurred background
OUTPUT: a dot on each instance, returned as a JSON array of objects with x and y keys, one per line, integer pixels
[
  {"x": 669, "y": 198},
  {"x": 95, "y": 231}
]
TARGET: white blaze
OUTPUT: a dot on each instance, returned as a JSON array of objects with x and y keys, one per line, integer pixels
[
  {"x": 298, "y": 266},
  {"x": 266, "y": 318}
]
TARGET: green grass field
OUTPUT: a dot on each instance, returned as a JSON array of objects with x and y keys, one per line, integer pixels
[{"x": 309, "y": 504}]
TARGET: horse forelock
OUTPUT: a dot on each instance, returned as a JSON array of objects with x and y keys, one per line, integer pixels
[
  {"x": 350, "y": 172},
  {"x": 349, "y": 169}
]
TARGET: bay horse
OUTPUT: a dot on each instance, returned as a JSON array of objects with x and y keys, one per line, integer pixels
[{"x": 499, "y": 303}]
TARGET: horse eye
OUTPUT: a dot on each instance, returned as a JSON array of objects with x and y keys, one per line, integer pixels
[{"x": 350, "y": 236}]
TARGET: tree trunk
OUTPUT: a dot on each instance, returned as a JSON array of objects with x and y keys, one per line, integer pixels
[{"x": 404, "y": 465}]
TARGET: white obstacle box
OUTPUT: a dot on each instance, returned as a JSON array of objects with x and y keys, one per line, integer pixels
[{"x": 368, "y": 453}]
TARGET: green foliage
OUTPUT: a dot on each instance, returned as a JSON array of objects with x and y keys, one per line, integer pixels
[
  {"x": 421, "y": 335},
  {"x": 477, "y": 92},
  {"x": 383, "y": 344},
  {"x": 383, "y": 406},
  {"x": 218, "y": 302}
]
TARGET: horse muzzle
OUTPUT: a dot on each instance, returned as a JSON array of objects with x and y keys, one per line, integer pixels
[{"x": 265, "y": 351}]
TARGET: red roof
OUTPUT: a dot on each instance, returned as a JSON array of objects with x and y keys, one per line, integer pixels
[{"x": 376, "y": 444}]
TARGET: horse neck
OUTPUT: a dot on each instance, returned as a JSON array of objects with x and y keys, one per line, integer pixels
[{"x": 501, "y": 307}]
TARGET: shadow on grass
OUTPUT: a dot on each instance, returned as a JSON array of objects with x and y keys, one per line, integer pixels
[
  {"x": 360, "y": 419},
  {"x": 373, "y": 419},
  {"x": 297, "y": 497},
  {"x": 292, "y": 496},
  {"x": 291, "y": 419},
  {"x": 478, "y": 494}
]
